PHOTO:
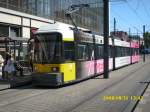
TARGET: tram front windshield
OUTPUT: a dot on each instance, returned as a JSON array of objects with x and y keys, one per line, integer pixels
[{"x": 48, "y": 48}]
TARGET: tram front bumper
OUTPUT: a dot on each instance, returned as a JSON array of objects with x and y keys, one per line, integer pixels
[{"x": 47, "y": 79}]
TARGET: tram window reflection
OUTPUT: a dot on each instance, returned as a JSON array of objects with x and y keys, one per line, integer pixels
[
  {"x": 82, "y": 52},
  {"x": 48, "y": 48},
  {"x": 69, "y": 51}
]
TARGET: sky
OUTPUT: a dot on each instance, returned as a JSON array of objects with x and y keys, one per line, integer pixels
[{"x": 130, "y": 14}]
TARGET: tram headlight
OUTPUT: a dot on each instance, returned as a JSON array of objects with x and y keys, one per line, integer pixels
[
  {"x": 55, "y": 69},
  {"x": 35, "y": 68}
]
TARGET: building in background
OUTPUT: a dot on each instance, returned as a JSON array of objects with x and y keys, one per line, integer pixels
[
  {"x": 120, "y": 35},
  {"x": 90, "y": 18},
  {"x": 19, "y": 18}
]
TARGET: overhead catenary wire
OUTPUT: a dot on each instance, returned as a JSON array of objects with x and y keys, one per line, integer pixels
[
  {"x": 101, "y": 2},
  {"x": 116, "y": 1},
  {"x": 135, "y": 12},
  {"x": 125, "y": 21},
  {"x": 145, "y": 8},
  {"x": 138, "y": 4},
  {"x": 139, "y": 18},
  {"x": 119, "y": 27}
]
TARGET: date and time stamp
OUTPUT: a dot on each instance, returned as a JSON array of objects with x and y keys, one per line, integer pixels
[{"x": 122, "y": 98}]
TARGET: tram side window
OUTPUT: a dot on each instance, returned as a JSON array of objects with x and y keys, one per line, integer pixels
[
  {"x": 82, "y": 52},
  {"x": 110, "y": 51},
  {"x": 128, "y": 51},
  {"x": 69, "y": 51},
  {"x": 123, "y": 51},
  {"x": 118, "y": 51},
  {"x": 91, "y": 52},
  {"x": 125, "y": 54},
  {"x": 133, "y": 51},
  {"x": 99, "y": 52},
  {"x": 137, "y": 50}
]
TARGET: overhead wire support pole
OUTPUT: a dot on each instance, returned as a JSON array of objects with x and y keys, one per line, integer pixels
[
  {"x": 113, "y": 48},
  {"x": 144, "y": 43},
  {"x": 106, "y": 37},
  {"x": 129, "y": 31},
  {"x": 114, "y": 26}
]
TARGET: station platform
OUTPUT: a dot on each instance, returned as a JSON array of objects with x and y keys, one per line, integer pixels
[
  {"x": 4, "y": 85},
  {"x": 15, "y": 82},
  {"x": 87, "y": 96}
]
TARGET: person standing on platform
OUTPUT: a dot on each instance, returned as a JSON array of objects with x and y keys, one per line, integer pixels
[
  {"x": 1, "y": 63},
  {"x": 9, "y": 68}
]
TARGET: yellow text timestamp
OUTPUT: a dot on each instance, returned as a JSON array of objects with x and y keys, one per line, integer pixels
[{"x": 122, "y": 98}]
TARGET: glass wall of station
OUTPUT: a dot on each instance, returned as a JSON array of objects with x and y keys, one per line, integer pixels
[
  {"x": 90, "y": 18},
  {"x": 20, "y": 47}
]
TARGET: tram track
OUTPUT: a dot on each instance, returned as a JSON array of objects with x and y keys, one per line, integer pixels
[
  {"x": 7, "y": 90},
  {"x": 17, "y": 87},
  {"x": 19, "y": 94},
  {"x": 136, "y": 104},
  {"x": 141, "y": 89},
  {"x": 4, "y": 89},
  {"x": 16, "y": 96},
  {"x": 4, "y": 85},
  {"x": 106, "y": 88}
]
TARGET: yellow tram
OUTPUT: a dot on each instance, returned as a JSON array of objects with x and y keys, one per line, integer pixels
[{"x": 62, "y": 55}]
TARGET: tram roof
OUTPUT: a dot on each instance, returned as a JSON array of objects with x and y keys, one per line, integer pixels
[{"x": 65, "y": 29}]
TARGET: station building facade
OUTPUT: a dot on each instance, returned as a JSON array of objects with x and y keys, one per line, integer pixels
[{"x": 18, "y": 18}]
